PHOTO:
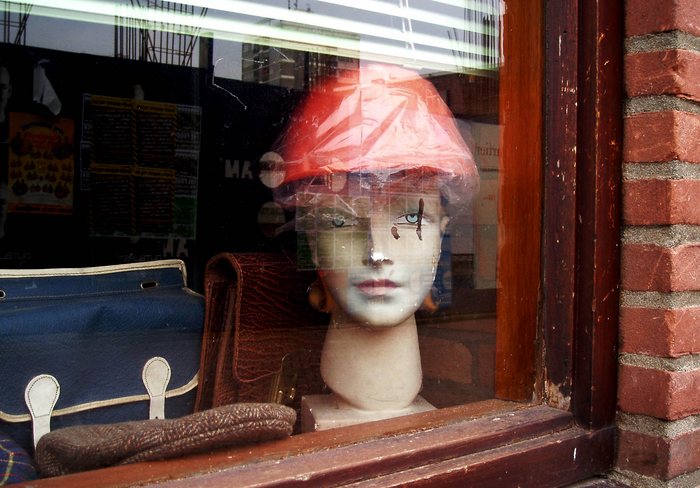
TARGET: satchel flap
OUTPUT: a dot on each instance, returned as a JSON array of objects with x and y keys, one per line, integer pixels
[
  {"x": 94, "y": 330},
  {"x": 23, "y": 284}
]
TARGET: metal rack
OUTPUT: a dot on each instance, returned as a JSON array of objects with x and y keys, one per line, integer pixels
[
  {"x": 14, "y": 22},
  {"x": 158, "y": 42}
]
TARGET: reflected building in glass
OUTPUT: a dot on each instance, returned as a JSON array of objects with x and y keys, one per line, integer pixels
[{"x": 296, "y": 69}]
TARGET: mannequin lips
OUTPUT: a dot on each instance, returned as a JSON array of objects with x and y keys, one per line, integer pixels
[{"x": 376, "y": 287}]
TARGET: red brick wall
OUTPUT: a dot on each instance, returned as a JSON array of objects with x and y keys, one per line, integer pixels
[{"x": 659, "y": 380}]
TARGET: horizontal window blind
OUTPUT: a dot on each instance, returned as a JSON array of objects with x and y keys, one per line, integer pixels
[{"x": 447, "y": 35}]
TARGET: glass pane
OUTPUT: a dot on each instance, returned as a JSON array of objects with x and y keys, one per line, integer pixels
[{"x": 356, "y": 144}]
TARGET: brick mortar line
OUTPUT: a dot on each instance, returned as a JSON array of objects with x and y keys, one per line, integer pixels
[
  {"x": 682, "y": 364},
  {"x": 643, "y": 424},
  {"x": 660, "y": 300},
  {"x": 686, "y": 480},
  {"x": 661, "y": 42},
  {"x": 659, "y": 103},
  {"x": 676, "y": 170},
  {"x": 668, "y": 236}
]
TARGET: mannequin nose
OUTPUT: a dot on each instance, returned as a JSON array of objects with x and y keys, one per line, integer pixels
[
  {"x": 377, "y": 258},
  {"x": 377, "y": 252}
]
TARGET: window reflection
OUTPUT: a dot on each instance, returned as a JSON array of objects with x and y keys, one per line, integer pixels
[{"x": 177, "y": 129}]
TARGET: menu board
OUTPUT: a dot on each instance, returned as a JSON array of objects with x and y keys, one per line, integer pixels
[
  {"x": 40, "y": 165},
  {"x": 140, "y": 163}
]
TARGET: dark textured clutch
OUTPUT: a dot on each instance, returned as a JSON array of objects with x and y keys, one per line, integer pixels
[
  {"x": 85, "y": 447},
  {"x": 262, "y": 340}
]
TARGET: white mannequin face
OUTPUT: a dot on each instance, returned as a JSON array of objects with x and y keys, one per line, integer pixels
[{"x": 377, "y": 253}]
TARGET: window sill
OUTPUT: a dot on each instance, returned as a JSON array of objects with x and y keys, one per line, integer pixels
[{"x": 483, "y": 444}]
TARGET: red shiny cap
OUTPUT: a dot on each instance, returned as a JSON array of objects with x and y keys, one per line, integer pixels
[{"x": 390, "y": 120}]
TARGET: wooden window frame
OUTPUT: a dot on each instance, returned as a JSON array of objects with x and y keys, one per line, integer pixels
[{"x": 567, "y": 434}]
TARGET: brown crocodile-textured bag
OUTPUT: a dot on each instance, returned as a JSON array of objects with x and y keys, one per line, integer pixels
[{"x": 262, "y": 340}]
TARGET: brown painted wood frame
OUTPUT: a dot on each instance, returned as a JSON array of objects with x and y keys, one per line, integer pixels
[
  {"x": 520, "y": 186},
  {"x": 567, "y": 362}
]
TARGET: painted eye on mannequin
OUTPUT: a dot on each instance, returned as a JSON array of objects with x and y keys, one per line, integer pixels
[
  {"x": 338, "y": 221},
  {"x": 408, "y": 219},
  {"x": 413, "y": 219}
]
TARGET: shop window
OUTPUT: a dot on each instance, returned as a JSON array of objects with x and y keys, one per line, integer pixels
[{"x": 393, "y": 156}]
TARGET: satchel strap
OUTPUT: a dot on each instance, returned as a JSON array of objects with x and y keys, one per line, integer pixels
[
  {"x": 41, "y": 396},
  {"x": 42, "y": 392},
  {"x": 156, "y": 376}
]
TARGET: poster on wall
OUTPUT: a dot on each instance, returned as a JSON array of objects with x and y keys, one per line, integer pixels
[
  {"x": 140, "y": 163},
  {"x": 40, "y": 165},
  {"x": 485, "y": 146}
]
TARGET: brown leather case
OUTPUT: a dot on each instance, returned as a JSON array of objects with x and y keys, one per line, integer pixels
[{"x": 262, "y": 340}]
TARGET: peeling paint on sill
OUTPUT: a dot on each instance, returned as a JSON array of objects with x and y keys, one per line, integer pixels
[{"x": 555, "y": 397}]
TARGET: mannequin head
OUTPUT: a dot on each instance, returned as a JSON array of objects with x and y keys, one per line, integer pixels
[
  {"x": 377, "y": 249},
  {"x": 372, "y": 168}
]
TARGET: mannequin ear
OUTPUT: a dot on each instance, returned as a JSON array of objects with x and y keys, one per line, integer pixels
[
  {"x": 319, "y": 297},
  {"x": 444, "y": 220},
  {"x": 429, "y": 304}
]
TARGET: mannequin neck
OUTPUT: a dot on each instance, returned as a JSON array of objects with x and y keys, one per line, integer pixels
[{"x": 372, "y": 368}]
